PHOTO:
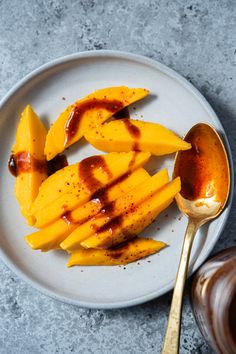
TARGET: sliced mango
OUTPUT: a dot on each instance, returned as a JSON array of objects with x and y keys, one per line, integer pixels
[
  {"x": 130, "y": 252},
  {"x": 123, "y": 205},
  {"x": 127, "y": 226},
  {"x": 51, "y": 236},
  {"x": 87, "y": 113},
  {"x": 97, "y": 177},
  {"x": 126, "y": 135},
  {"x": 28, "y": 160},
  {"x": 63, "y": 181}
]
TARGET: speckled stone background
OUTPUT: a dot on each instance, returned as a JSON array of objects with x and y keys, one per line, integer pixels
[{"x": 196, "y": 38}]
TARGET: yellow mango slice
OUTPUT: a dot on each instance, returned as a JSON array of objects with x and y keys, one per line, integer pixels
[
  {"x": 28, "y": 160},
  {"x": 63, "y": 181},
  {"x": 87, "y": 113},
  {"x": 130, "y": 252},
  {"x": 127, "y": 134},
  {"x": 96, "y": 176},
  {"x": 122, "y": 205},
  {"x": 125, "y": 227},
  {"x": 51, "y": 236}
]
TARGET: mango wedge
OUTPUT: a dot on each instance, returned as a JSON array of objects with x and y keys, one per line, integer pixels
[
  {"x": 28, "y": 160},
  {"x": 124, "y": 205},
  {"x": 91, "y": 177},
  {"x": 130, "y": 252},
  {"x": 63, "y": 181},
  {"x": 125, "y": 227},
  {"x": 87, "y": 113},
  {"x": 51, "y": 236},
  {"x": 126, "y": 135}
]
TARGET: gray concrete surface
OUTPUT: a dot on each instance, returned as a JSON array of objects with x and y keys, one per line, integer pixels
[{"x": 196, "y": 38}]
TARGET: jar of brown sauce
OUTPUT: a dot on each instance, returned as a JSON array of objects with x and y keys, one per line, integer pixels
[{"x": 213, "y": 296}]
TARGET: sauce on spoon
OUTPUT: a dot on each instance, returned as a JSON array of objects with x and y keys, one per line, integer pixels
[{"x": 202, "y": 169}]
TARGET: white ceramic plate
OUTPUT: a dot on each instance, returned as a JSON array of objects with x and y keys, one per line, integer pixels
[{"x": 175, "y": 103}]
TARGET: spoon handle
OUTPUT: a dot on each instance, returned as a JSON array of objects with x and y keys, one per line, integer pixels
[{"x": 171, "y": 342}]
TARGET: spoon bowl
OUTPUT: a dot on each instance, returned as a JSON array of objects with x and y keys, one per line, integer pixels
[
  {"x": 204, "y": 172},
  {"x": 205, "y": 184}
]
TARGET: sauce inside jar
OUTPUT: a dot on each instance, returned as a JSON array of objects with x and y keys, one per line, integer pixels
[
  {"x": 232, "y": 318},
  {"x": 213, "y": 296}
]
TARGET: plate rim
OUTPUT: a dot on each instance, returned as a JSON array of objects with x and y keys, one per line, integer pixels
[{"x": 189, "y": 86}]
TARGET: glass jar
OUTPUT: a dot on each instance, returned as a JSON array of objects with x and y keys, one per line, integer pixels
[{"x": 213, "y": 297}]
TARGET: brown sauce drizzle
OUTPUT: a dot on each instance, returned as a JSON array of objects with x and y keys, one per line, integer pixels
[
  {"x": 24, "y": 162},
  {"x": 132, "y": 161},
  {"x": 86, "y": 172},
  {"x": 57, "y": 163},
  {"x": 136, "y": 146},
  {"x": 202, "y": 169},
  {"x": 77, "y": 112},
  {"x": 108, "y": 209},
  {"x": 101, "y": 196},
  {"x": 132, "y": 129},
  {"x": 12, "y": 165},
  {"x": 112, "y": 225},
  {"x": 116, "y": 254},
  {"x": 134, "y": 132},
  {"x": 122, "y": 114},
  {"x": 67, "y": 217}
]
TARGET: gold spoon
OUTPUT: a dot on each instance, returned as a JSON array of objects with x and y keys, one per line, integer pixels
[{"x": 205, "y": 178}]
